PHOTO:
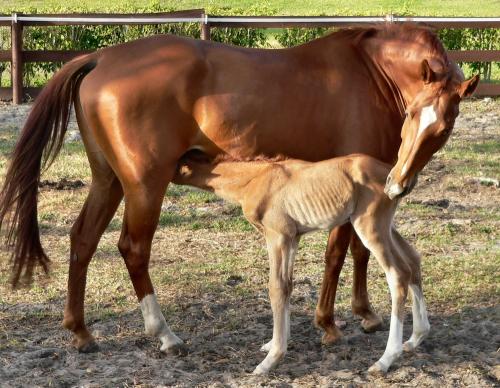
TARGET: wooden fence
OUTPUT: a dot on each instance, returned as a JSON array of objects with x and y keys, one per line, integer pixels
[{"x": 17, "y": 56}]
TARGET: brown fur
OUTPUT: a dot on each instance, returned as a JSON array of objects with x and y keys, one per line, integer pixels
[
  {"x": 146, "y": 103},
  {"x": 286, "y": 199}
]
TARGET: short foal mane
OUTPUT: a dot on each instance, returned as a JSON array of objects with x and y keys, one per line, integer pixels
[{"x": 258, "y": 158}]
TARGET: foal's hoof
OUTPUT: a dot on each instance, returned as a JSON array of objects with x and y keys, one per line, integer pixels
[
  {"x": 377, "y": 369},
  {"x": 178, "y": 349},
  {"x": 89, "y": 346},
  {"x": 260, "y": 371},
  {"x": 266, "y": 347},
  {"x": 372, "y": 325},
  {"x": 408, "y": 346}
]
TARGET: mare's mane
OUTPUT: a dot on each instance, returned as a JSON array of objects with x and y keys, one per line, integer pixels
[{"x": 410, "y": 32}]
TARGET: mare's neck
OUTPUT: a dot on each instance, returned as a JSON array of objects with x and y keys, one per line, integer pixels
[{"x": 396, "y": 66}]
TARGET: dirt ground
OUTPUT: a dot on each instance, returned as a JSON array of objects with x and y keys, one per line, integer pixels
[{"x": 221, "y": 309}]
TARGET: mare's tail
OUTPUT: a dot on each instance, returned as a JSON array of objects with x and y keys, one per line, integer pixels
[{"x": 39, "y": 143}]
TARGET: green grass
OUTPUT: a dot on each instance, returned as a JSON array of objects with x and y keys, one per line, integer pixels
[{"x": 279, "y": 7}]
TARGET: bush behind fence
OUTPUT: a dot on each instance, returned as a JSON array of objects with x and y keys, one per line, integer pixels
[{"x": 95, "y": 37}]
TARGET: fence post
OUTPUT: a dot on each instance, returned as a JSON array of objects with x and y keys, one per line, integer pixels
[
  {"x": 205, "y": 28},
  {"x": 17, "y": 60}
]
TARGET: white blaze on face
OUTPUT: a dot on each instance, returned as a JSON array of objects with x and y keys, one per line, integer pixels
[{"x": 427, "y": 117}]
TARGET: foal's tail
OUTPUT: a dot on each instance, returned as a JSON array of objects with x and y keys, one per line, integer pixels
[{"x": 39, "y": 143}]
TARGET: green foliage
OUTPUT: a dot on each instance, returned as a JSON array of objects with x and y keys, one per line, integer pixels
[
  {"x": 295, "y": 36},
  {"x": 96, "y": 37},
  {"x": 473, "y": 39}
]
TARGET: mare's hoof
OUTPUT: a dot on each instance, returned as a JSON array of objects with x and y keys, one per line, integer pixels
[
  {"x": 331, "y": 336},
  {"x": 372, "y": 325},
  {"x": 179, "y": 349},
  {"x": 88, "y": 347},
  {"x": 329, "y": 339}
]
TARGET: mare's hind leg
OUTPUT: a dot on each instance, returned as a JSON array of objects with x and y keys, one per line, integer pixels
[
  {"x": 338, "y": 242},
  {"x": 142, "y": 210},
  {"x": 101, "y": 203},
  {"x": 360, "y": 303}
]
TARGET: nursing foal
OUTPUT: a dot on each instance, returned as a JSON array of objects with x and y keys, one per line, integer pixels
[{"x": 285, "y": 199}]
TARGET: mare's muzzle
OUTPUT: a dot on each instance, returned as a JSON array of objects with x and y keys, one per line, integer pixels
[{"x": 397, "y": 190}]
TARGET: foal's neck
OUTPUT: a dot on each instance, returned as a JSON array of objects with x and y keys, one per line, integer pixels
[{"x": 230, "y": 180}]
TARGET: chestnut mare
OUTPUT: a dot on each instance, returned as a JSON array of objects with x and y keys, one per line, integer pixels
[
  {"x": 141, "y": 105},
  {"x": 285, "y": 199}
]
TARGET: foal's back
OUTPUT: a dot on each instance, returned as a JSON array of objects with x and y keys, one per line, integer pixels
[{"x": 324, "y": 194}]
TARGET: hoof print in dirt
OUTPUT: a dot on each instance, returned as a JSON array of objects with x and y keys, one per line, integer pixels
[
  {"x": 63, "y": 184},
  {"x": 180, "y": 350},
  {"x": 234, "y": 280},
  {"x": 89, "y": 347}
]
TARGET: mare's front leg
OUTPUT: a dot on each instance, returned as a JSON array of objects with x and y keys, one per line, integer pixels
[
  {"x": 281, "y": 250},
  {"x": 142, "y": 210}
]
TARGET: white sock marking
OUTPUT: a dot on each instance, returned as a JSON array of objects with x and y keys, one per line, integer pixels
[
  {"x": 421, "y": 324},
  {"x": 155, "y": 324},
  {"x": 394, "y": 345}
]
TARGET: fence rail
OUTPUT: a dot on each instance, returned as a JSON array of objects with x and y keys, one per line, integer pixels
[{"x": 17, "y": 56}]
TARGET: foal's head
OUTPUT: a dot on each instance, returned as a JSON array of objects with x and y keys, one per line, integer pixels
[{"x": 429, "y": 121}]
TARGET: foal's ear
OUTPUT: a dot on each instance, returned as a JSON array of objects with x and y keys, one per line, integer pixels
[
  {"x": 467, "y": 87},
  {"x": 428, "y": 75}
]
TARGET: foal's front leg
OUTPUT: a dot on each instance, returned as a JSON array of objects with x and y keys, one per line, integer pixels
[{"x": 281, "y": 250}]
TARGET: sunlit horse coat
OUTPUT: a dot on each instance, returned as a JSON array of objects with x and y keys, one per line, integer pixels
[{"x": 141, "y": 105}]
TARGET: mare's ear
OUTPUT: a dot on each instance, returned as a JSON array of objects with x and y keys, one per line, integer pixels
[
  {"x": 467, "y": 87},
  {"x": 428, "y": 75}
]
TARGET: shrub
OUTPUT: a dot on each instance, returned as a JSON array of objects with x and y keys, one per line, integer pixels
[{"x": 95, "y": 37}]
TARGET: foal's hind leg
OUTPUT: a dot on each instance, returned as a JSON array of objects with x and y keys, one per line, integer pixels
[
  {"x": 281, "y": 250},
  {"x": 103, "y": 199},
  {"x": 421, "y": 324},
  {"x": 142, "y": 210},
  {"x": 360, "y": 303}
]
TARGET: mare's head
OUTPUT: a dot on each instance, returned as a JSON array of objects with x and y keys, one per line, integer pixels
[{"x": 429, "y": 121}]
